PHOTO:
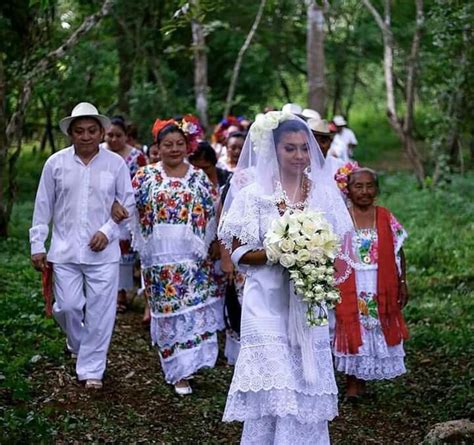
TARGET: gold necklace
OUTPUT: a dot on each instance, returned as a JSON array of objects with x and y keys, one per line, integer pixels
[{"x": 354, "y": 219}]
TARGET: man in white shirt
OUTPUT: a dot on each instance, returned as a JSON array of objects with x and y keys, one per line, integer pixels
[
  {"x": 77, "y": 189},
  {"x": 344, "y": 140}
]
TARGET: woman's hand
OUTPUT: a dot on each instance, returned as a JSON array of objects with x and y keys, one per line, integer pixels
[
  {"x": 227, "y": 266},
  {"x": 402, "y": 294},
  {"x": 119, "y": 213},
  {"x": 214, "y": 251}
]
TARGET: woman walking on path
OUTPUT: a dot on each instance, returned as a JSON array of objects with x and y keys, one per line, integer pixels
[
  {"x": 174, "y": 227},
  {"x": 116, "y": 141},
  {"x": 370, "y": 328},
  {"x": 281, "y": 394}
]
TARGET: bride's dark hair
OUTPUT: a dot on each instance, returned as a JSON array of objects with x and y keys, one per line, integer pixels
[{"x": 288, "y": 126}]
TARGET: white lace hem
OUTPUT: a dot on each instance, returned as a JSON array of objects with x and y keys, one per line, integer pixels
[
  {"x": 375, "y": 360},
  {"x": 284, "y": 431},
  {"x": 168, "y": 329},
  {"x": 275, "y": 365},
  {"x": 185, "y": 363},
  {"x": 242, "y": 406}
]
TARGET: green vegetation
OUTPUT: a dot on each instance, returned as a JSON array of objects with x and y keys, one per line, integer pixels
[{"x": 40, "y": 402}]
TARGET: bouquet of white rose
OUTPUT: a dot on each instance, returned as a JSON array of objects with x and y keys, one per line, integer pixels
[{"x": 304, "y": 243}]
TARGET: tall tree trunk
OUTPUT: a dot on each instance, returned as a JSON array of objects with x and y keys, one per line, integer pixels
[
  {"x": 240, "y": 56},
  {"x": 315, "y": 57},
  {"x": 200, "y": 69},
  {"x": 13, "y": 130},
  {"x": 403, "y": 125},
  {"x": 4, "y": 217}
]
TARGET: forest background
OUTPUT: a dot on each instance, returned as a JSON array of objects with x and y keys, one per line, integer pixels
[{"x": 401, "y": 72}]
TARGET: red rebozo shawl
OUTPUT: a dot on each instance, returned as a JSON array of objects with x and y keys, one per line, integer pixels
[{"x": 348, "y": 331}]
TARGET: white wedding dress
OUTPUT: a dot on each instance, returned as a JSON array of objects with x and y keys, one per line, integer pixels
[{"x": 268, "y": 391}]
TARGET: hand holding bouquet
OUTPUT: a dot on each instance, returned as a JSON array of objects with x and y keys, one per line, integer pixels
[{"x": 304, "y": 243}]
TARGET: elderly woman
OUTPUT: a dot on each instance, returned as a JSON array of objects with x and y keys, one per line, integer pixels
[
  {"x": 116, "y": 141},
  {"x": 370, "y": 329},
  {"x": 173, "y": 231}
]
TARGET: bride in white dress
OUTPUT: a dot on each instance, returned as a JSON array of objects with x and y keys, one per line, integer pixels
[{"x": 280, "y": 168}]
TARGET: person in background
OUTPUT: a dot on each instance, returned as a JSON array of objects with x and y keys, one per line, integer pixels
[
  {"x": 77, "y": 189},
  {"x": 234, "y": 145},
  {"x": 153, "y": 154},
  {"x": 132, "y": 138},
  {"x": 308, "y": 114},
  {"x": 370, "y": 329},
  {"x": 344, "y": 141},
  {"x": 173, "y": 231},
  {"x": 116, "y": 141},
  {"x": 205, "y": 158}
]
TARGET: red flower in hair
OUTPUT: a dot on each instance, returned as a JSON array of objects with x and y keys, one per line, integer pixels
[{"x": 160, "y": 124}]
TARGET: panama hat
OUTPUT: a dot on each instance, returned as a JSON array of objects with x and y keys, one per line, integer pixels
[
  {"x": 339, "y": 121},
  {"x": 83, "y": 109},
  {"x": 319, "y": 126},
  {"x": 308, "y": 113},
  {"x": 292, "y": 108}
]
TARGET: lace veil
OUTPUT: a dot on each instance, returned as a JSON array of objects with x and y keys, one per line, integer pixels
[{"x": 281, "y": 157}]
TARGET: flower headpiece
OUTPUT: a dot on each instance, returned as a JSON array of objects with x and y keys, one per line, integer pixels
[
  {"x": 261, "y": 130},
  {"x": 342, "y": 175},
  {"x": 190, "y": 126},
  {"x": 220, "y": 131}
]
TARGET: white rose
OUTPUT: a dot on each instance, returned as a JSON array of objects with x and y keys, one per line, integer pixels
[
  {"x": 286, "y": 245},
  {"x": 287, "y": 260},
  {"x": 272, "y": 253},
  {"x": 303, "y": 256}
]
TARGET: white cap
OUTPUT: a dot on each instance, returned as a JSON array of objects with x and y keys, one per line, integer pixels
[
  {"x": 292, "y": 108},
  {"x": 83, "y": 109},
  {"x": 339, "y": 121},
  {"x": 308, "y": 113}
]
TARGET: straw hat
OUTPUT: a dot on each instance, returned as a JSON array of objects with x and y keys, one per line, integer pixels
[
  {"x": 83, "y": 109},
  {"x": 319, "y": 126},
  {"x": 292, "y": 108},
  {"x": 339, "y": 121},
  {"x": 308, "y": 113}
]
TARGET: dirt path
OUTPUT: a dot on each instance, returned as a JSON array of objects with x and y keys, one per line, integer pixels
[{"x": 137, "y": 406}]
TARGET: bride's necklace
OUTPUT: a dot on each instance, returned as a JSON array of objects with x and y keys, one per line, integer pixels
[{"x": 282, "y": 199}]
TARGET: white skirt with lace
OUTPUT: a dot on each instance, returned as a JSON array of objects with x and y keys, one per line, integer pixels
[{"x": 375, "y": 359}]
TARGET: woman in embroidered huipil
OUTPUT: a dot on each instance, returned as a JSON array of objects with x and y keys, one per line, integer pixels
[
  {"x": 116, "y": 141},
  {"x": 174, "y": 227},
  {"x": 369, "y": 324}
]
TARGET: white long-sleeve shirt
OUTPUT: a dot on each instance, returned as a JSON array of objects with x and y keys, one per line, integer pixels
[{"x": 78, "y": 199}]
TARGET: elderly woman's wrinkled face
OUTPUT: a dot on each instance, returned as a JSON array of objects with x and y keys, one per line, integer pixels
[
  {"x": 362, "y": 189},
  {"x": 234, "y": 148},
  {"x": 293, "y": 153},
  {"x": 172, "y": 149}
]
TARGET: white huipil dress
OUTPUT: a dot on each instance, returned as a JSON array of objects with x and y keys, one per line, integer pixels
[
  {"x": 375, "y": 359},
  {"x": 268, "y": 392}
]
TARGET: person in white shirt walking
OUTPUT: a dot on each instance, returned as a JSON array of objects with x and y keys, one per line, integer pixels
[
  {"x": 344, "y": 140},
  {"x": 77, "y": 189}
]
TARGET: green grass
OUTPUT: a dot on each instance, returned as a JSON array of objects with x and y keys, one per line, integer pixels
[{"x": 440, "y": 255}]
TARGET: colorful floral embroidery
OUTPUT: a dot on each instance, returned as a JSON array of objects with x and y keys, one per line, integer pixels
[
  {"x": 366, "y": 246},
  {"x": 368, "y": 313},
  {"x": 177, "y": 286},
  {"x": 134, "y": 161},
  {"x": 162, "y": 200},
  {"x": 196, "y": 341}
]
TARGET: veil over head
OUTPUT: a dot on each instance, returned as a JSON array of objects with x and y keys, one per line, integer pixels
[{"x": 281, "y": 149}]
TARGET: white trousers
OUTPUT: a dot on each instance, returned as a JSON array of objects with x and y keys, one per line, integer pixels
[{"x": 85, "y": 309}]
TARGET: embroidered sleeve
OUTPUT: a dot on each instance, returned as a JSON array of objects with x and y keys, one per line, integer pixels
[
  {"x": 241, "y": 221},
  {"x": 399, "y": 235},
  {"x": 208, "y": 197},
  {"x": 144, "y": 215}
]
